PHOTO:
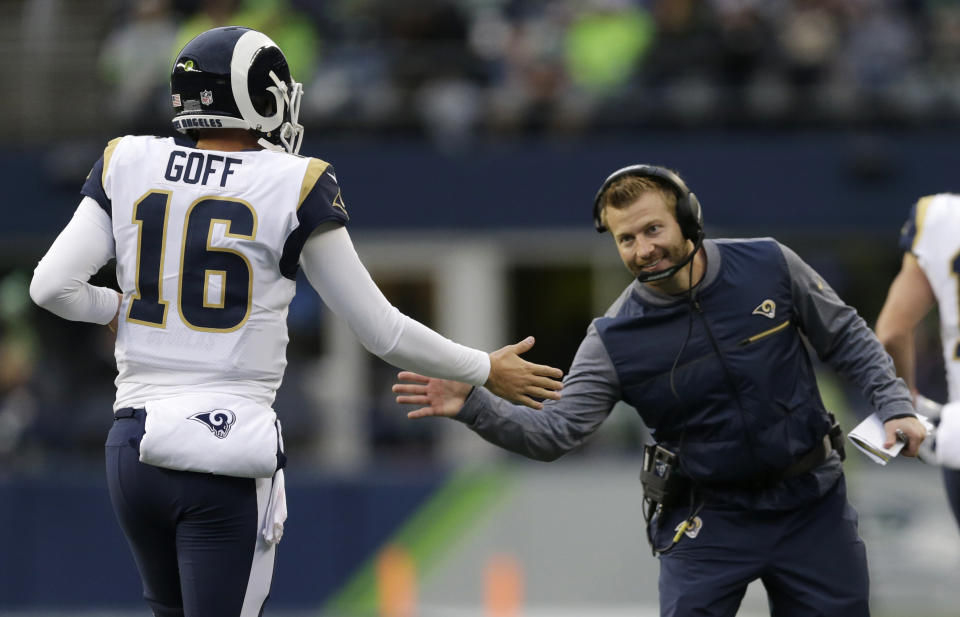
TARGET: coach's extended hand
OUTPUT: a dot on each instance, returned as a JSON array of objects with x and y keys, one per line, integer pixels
[
  {"x": 511, "y": 377},
  {"x": 438, "y": 397}
]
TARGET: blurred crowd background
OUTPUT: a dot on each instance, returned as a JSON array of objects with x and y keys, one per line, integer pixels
[
  {"x": 447, "y": 78},
  {"x": 469, "y": 136},
  {"x": 456, "y": 69}
]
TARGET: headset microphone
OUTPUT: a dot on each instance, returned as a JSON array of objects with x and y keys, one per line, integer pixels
[{"x": 665, "y": 274}]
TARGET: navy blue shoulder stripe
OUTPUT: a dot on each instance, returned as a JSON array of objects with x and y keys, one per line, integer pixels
[
  {"x": 93, "y": 188},
  {"x": 913, "y": 227},
  {"x": 908, "y": 231},
  {"x": 290, "y": 258},
  {"x": 320, "y": 202}
]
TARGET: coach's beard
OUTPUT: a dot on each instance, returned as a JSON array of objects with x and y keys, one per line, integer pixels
[{"x": 650, "y": 277}]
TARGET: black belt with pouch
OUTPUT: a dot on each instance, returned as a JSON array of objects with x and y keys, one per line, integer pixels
[{"x": 663, "y": 485}]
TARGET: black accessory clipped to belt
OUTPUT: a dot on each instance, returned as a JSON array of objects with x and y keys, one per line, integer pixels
[
  {"x": 836, "y": 436},
  {"x": 663, "y": 488},
  {"x": 660, "y": 482}
]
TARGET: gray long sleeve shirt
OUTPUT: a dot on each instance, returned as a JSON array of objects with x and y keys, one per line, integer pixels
[{"x": 592, "y": 386}]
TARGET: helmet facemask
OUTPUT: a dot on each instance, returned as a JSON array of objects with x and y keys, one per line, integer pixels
[{"x": 290, "y": 133}]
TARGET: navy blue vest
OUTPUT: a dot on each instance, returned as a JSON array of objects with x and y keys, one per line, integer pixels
[{"x": 744, "y": 400}]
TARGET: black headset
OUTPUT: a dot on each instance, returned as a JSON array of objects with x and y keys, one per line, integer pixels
[{"x": 689, "y": 214}]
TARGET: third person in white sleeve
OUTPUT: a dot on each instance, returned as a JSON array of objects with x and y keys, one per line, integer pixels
[{"x": 928, "y": 276}]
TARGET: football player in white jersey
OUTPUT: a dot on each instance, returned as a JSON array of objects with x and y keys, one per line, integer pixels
[
  {"x": 208, "y": 234},
  {"x": 928, "y": 275}
]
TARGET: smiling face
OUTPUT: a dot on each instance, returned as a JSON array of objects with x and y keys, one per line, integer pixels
[{"x": 649, "y": 239}]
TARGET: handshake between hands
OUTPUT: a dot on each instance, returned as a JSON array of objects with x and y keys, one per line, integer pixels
[{"x": 511, "y": 378}]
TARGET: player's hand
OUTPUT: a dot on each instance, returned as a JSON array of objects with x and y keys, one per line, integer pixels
[
  {"x": 909, "y": 429},
  {"x": 116, "y": 318},
  {"x": 514, "y": 379},
  {"x": 438, "y": 397}
]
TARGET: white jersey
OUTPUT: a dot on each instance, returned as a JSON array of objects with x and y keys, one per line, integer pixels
[
  {"x": 932, "y": 234},
  {"x": 207, "y": 249}
]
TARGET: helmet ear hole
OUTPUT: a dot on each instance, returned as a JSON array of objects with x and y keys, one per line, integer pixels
[
  {"x": 259, "y": 81},
  {"x": 265, "y": 104}
]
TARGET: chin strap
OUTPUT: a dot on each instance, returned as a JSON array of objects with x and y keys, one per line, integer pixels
[
  {"x": 665, "y": 274},
  {"x": 269, "y": 145}
]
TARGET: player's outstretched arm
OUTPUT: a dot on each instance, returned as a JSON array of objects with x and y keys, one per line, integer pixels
[
  {"x": 333, "y": 268},
  {"x": 514, "y": 379}
]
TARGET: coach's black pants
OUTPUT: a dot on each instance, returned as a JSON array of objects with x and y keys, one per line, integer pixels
[
  {"x": 811, "y": 561},
  {"x": 194, "y": 536}
]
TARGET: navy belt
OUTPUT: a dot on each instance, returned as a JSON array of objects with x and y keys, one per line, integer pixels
[{"x": 129, "y": 412}]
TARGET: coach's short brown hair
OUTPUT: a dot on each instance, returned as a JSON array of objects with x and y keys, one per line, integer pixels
[{"x": 626, "y": 190}]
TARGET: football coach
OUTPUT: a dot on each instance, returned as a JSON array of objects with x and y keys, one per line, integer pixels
[{"x": 745, "y": 480}]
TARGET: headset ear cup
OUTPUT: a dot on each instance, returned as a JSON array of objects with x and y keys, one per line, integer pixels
[
  {"x": 690, "y": 217},
  {"x": 597, "y": 222}
]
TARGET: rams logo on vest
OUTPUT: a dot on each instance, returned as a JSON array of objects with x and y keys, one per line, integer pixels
[
  {"x": 218, "y": 421},
  {"x": 767, "y": 308}
]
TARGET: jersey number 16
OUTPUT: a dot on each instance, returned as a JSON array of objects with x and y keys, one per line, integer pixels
[{"x": 203, "y": 305}]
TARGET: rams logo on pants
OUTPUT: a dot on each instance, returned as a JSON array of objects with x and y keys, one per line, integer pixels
[
  {"x": 690, "y": 527},
  {"x": 218, "y": 421}
]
